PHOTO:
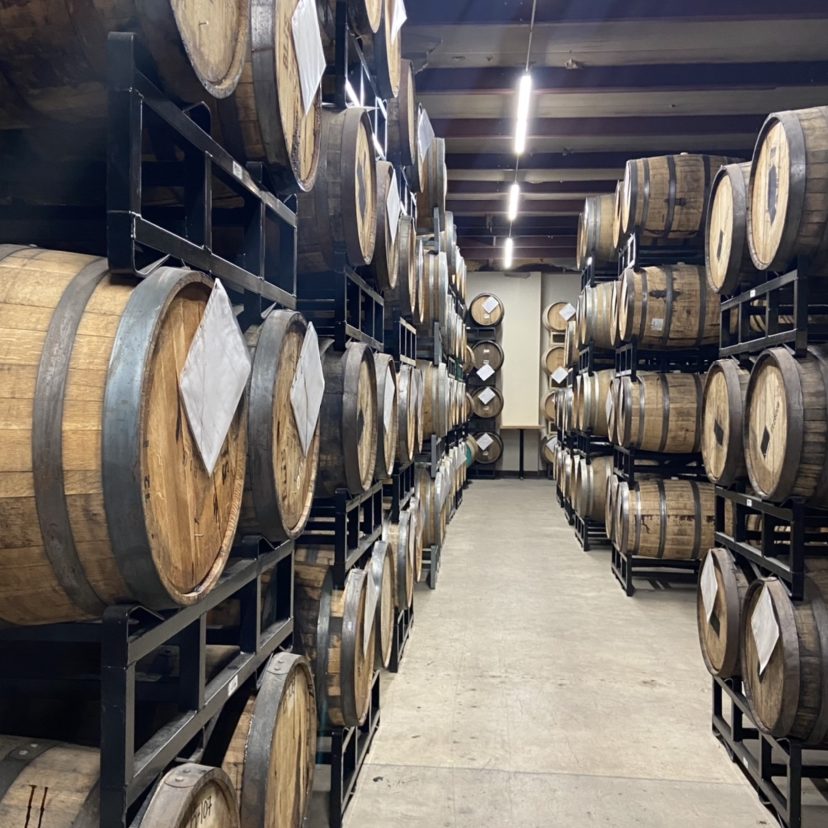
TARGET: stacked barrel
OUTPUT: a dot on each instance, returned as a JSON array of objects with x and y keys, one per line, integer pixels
[
  {"x": 762, "y": 595},
  {"x": 554, "y": 322},
  {"x": 484, "y": 364}
]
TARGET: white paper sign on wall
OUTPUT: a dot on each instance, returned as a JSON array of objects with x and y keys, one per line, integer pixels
[
  {"x": 307, "y": 41},
  {"x": 308, "y": 388},
  {"x": 765, "y": 628}
]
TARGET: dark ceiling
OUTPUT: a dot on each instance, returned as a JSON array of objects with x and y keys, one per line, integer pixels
[{"x": 612, "y": 80}]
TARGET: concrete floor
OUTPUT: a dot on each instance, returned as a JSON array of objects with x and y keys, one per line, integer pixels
[{"x": 534, "y": 693}]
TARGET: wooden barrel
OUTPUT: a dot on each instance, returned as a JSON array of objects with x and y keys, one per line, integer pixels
[
  {"x": 401, "y": 540},
  {"x": 435, "y": 398},
  {"x": 668, "y": 306},
  {"x": 91, "y": 367},
  {"x": 595, "y": 231},
  {"x": 387, "y": 415},
  {"x": 386, "y": 261},
  {"x": 381, "y": 572},
  {"x": 571, "y": 344},
  {"x": 341, "y": 210},
  {"x": 594, "y": 320},
  {"x": 434, "y": 289},
  {"x": 720, "y": 628},
  {"x": 552, "y": 319},
  {"x": 272, "y": 754},
  {"x": 188, "y": 795},
  {"x": 487, "y": 352},
  {"x": 665, "y": 519},
  {"x": 595, "y": 390},
  {"x": 198, "y": 50},
  {"x": 789, "y": 698},
  {"x": 722, "y": 446},
  {"x": 549, "y": 407},
  {"x": 567, "y": 468},
  {"x": 610, "y": 500},
  {"x": 785, "y": 426},
  {"x": 487, "y": 402},
  {"x": 281, "y": 478},
  {"x": 554, "y": 359},
  {"x": 409, "y": 265},
  {"x": 726, "y": 253},
  {"x": 331, "y": 631},
  {"x": 549, "y": 448},
  {"x": 418, "y": 396},
  {"x": 660, "y": 412},
  {"x": 384, "y": 52},
  {"x": 406, "y": 415},
  {"x": 429, "y": 499},
  {"x": 265, "y": 120},
  {"x": 417, "y": 529},
  {"x": 615, "y": 332},
  {"x": 789, "y": 189},
  {"x": 488, "y": 453},
  {"x": 486, "y": 310},
  {"x": 402, "y": 119},
  {"x": 592, "y": 488},
  {"x": 364, "y": 17},
  {"x": 434, "y": 185},
  {"x": 666, "y": 196},
  {"x": 348, "y": 417},
  {"x": 617, "y": 209}
]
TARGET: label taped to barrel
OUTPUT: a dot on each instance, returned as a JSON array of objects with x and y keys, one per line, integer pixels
[
  {"x": 372, "y": 594},
  {"x": 214, "y": 376},
  {"x": 425, "y": 134},
  {"x": 709, "y": 586},
  {"x": 490, "y": 304},
  {"x": 484, "y": 441},
  {"x": 399, "y": 16},
  {"x": 551, "y": 444},
  {"x": 485, "y": 371},
  {"x": 765, "y": 629},
  {"x": 307, "y": 41},
  {"x": 393, "y": 207},
  {"x": 567, "y": 312},
  {"x": 657, "y": 324},
  {"x": 486, "y": 396},
  {"x": 559, "y": 375},
  {"x": 307, "y": 389},
  {"x": 388, "y": 401}
]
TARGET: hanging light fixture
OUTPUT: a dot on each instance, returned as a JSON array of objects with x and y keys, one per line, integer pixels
[
  {"x": 522, "y": 125},
  {"x": 514, "y": 200},
  {"x": 508, "y": 253}
]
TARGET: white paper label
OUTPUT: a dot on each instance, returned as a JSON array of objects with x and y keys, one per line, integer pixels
[
  {"x": 388, "y": 403},
  {"x": 311, "y": 56},
  {"x": 568, "y": 312},
  {"x": 485, "y": 371},
  {"x": 749, "y": 502},
  {"x": 425, "y": 134},
  {"x": 486, "y": 396},
  {"x": 657, "y": 324},
  {"x": 233, "y": 686},
  {"x": 559, "y": 375},
  {"x": 709, "y": 586},
  {"x": 551, "y": 444},
  {"x": 214, "y": 375},
  {"x": 371, "y": 598},
  {"x": 484, "y": 441},
  {"x": 490, "y": 304},
  {"x": 765, "y": 629},
  {"x": 753, "y": 293},
  {"x": 393, "y": 207},
  {"x": 307, "y": 389},
  {"x": 398, "y": 18},
  {"x": 238, "y": 171}
]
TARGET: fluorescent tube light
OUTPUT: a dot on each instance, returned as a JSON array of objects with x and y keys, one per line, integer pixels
[
  {"x": 508, "y": 253},
  {"x": 524, "y": 95},
  {"x": 514, "y": 198}
]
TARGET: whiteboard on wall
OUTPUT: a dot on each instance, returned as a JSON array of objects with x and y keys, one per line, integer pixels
[{"x": 520, "y": 339}]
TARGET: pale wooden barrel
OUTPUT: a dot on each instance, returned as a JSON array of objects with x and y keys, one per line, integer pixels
[
  {"x": 552, "y": 319},
  {"x": 386, "y": 259},
  {"x": 722, "y": 446},
  {"x": 789, "y": 700},
  {"x": 549, "y": 407},
  {"x": 417, "y": 528},
  {"x": 610, "y": 500},
  {"x": 419, "y": 397},
  {"x": 789, "y": 189},
  {"x": 613, "y": 405},
  {"x": 418, "y": 309},
  {"x": 666, "y": 196},
  {"x": 433, "y": 291},
  {"x": 785, "y": 429},
  {"x": 406, "y": 415},
  {"x": 595, "y": 391},
  {"x": 428, "y": 496},
  {"x": 198, "y": 49},
  {"x": 188, "y": 795},
  {"x": 719, "y": 632},
  {"x": 595, "y": 315},
  {"x": 592, "y": 489},
  {"x": 272, "y": 753},
  {"x": 91, "y": 365},
  {"x": 387, "y": 415},
  {"x": 434, "y": 185},
  {"x": 554, "y": 360},
  {"x": 483, "y": 316},
  {"x": 567, "y": 468},
  {"x": 384, "y": 52},
  {"x": 487, "y": 402},
  {"x": 331, "y": 632},
  {"x": 571, "y": 343},
  {"x": 381, "y": 571},
  {"x": 348, "y": 420},
  {"x": 265, "y": 120},
  {"x": 401, "y": 539},
  {"x": 402, "y": 119},
  {"x": 727, "y": 255},
  {"x": 487, "y": 352},
  {"x": 665, "y": 519},
  {"x": 409, "y": 258},
  {"x": 549, "y": 448},
  {"x": 341, "y": 210},
  {"x": 617, "y": 209},
  {"x": 435, "y": 398},
  {"x": 669, "y": 306},
  {"x": 493, "y": 452},
  {"x": 281, "y": 478},
  {"x": 660, "y": 412},
  {"x": 595, "y": 231}
]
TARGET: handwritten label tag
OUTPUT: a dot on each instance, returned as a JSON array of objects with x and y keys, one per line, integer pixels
[
  {"x": 559, "y": 375},
  {"x": 709, "y": 586},
  {"x": 399, "y": 17},
  {"x": 490, "y": 304},
  {"x": 307, "y": 389},
  {"x": 425, "y": 133},
  {"x": 307, "y": 41},
  {"x": 486, "y": 396},
  {"x": 390, "y": 394},
  {"x": 657, "y": 325},
  {"x": 567, "y": 312},
  {"x": 393, "y": 207},
  {"x": 214, "y": 376},
  {"x": 765, "y": 629},
  {"x": 371, "y": 599},
  {"x": 485, "y": 371},
  {"x": 484, "y": 441}
]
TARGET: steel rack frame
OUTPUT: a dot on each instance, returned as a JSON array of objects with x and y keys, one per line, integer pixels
[
  {"x": 630, "y": 359},
  {"x": 660, "y": 572},
  {"x": 402, "y": 631},
  {"x": 590, "y": 445},
  {"x": 431, "y": 564},
  {"x": 350, "y": 524},
  {"x": 635, "y": 252},
  {"x": 343, "y": 751},
  {"x": 399, "y": 490},
  {"x": 433, "y": 450},
  {"x": 592, "y": 275},
  {"x": 590, "y": 533},
  {"x": 791, "y": 308},
  {"x": 430, "y": 347},
  {"x": 400, "y": 339},
  {"x": 128, "y": 633},
  {"x": 629, "y": 462},
  {"x": 592, "y": 359},
  {"x": 761, "y": 758},
  {"x": 342, "y": 305}
]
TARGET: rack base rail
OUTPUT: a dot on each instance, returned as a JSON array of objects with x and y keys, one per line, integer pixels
[{"x": 660, "y": 572}]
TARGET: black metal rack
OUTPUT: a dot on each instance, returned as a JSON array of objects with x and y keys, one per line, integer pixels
[
  {"x": 590, "y": 533},
  {"x": 430, "y": 346},
  {"x": 400, "y": 339},
  {"x": 592, "y": 359},
  {"x": 592, "y": 275},
  {"x": 660, "y": 572},
  {"x": 402, "y": 630},
  {"x": 127, "y": 634},
  {"x": 630, "y": 359},
  {"x": 763, "y": 759},
  {"x": 399, "y": 490},
  {"x": 431, "y": 565},
  {"x": 629, "y": 462},
  {"x": 350, "y": 524},
  {"x": 636, "y": 251},
  {"x": 591, "y": 445}
]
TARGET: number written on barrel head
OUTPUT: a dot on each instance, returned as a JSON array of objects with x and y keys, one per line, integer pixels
[{"x": 202, "y": 811}]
